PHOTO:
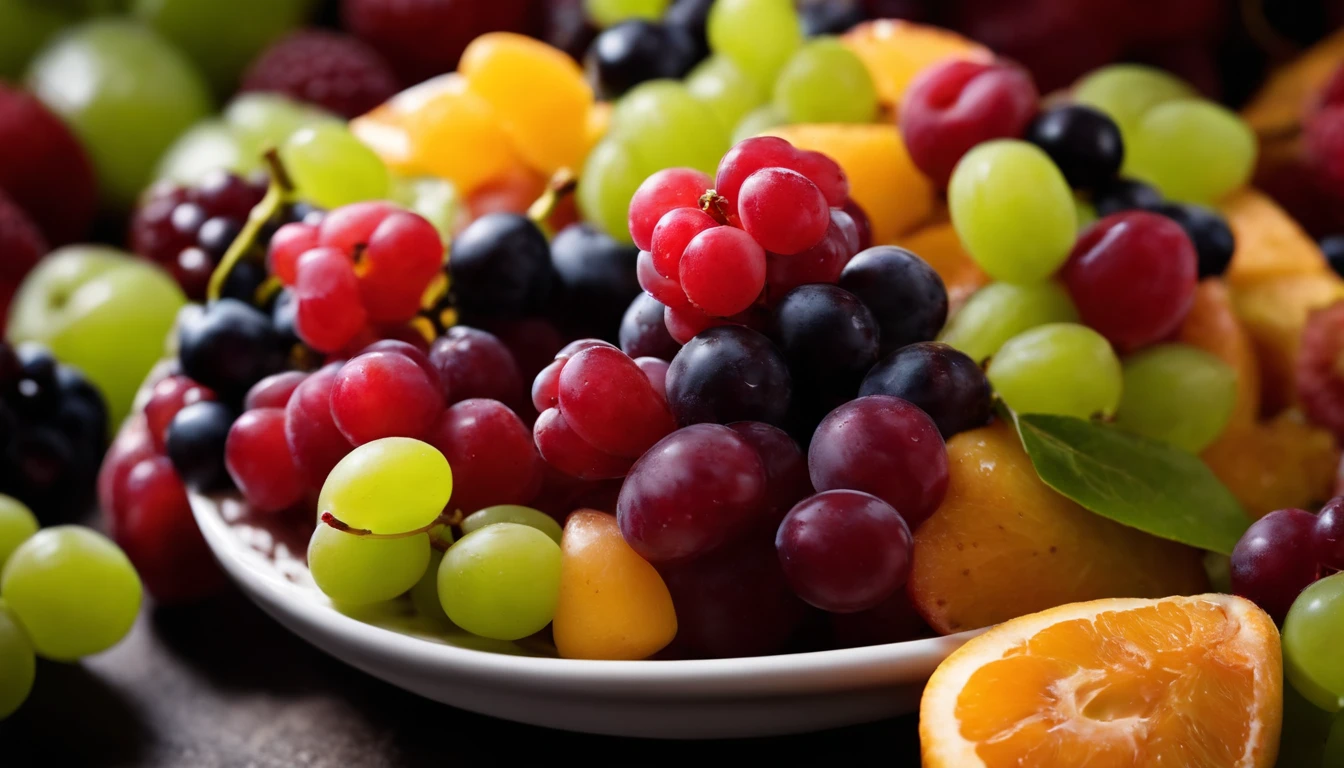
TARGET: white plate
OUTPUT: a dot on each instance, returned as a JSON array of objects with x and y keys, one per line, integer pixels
[{"x": 668, "y": 699}]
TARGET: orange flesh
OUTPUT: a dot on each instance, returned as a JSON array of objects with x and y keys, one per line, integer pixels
[{"x": 1164, "y": 684}]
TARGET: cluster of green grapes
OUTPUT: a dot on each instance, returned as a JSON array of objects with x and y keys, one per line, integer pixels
[
  {"x": 761, "y": 73},
  {"x": 65, "y": 592}
]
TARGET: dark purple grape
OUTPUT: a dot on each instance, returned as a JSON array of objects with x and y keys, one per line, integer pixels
[
  {"x": 905, "y": 294},
  {"x": 785, "y": 467},
  {"x": 636, "y": 51},
  {"x": 830, "y": 17},
  {"x": 1083, "y": 142},
  {"x": 943, "y": 382},
  {"x": 1213, "y": 238},
  {"x": 1329, "y": 535},
  {"x": 594, "y": 280},
  {"x": 229, "y": 347},
  {"x": 643, "y": 332},
  {"x": 691, "y": 16},
  {"x": 501, "y": 266},
  {"x": 222, "y": 193},
  {"x": 1275, "y": 560},
  {"x": 829, "y": 339},
  {"x": 844, "y": 551},
  {"x": 195, "y": 445},
  {"x": 1124, "y": 195},
  {"x": 728, "y": 374},
  {"x": 217, "y": 234}
]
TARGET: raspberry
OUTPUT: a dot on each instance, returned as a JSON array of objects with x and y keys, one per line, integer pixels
[
  {"x": 423, "y": 38},
  {"x": 44, "y": 169},
  {"x": 331, "y": 70},
  {"x": 1325, "y": 145},
  {"x": 1320, "y": 368}
]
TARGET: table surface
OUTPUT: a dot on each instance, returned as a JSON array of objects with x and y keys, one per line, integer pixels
[{"x": 221, "y": 685}]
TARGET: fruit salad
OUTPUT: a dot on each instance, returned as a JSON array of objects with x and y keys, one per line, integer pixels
[{"x": 751, "y": 330}]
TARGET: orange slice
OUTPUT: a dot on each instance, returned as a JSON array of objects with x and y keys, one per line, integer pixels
[{"x": 1195, "y": 682}]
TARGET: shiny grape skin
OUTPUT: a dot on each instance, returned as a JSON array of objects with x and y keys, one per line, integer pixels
[
  {"x": 500, "y": 266},
  {"x": 1329, "y": 534},
  {"x": 943, "y": 382},
  {"x": 196, "y": 444},
  {"x": 726, "y": 374},
  {"x": 229, "y": 347},
  {"x": 643, "y": 332},
  {"x": 594, "y": 280},
  {"x": 1083, "y": 142},
  {"x": 905, "y": 294},
  {"x": 1275, "y": 560},
  {"x": 828, "y": 337}
]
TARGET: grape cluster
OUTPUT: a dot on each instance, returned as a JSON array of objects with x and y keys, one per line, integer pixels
[
  {"x": 53, "y": 429},
  {"x": 66, "y": 592}
]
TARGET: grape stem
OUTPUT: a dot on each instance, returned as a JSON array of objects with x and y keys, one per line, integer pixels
[
  {"x": 561, "y": 185},
  {"x": 277, "y": 193},
  {"x": 715, "y": 205},
  {"x": 444, "y": 518}
]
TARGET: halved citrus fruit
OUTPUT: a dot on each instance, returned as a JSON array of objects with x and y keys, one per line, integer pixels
[{"x": 1195, "y": 682}]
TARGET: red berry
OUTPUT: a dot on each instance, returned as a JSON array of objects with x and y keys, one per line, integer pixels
[
  {"x": 384, "y": 394},
  {"x": 783, "y": 211},
  {"x": 751, "y": 155},
  {"x": 673, "y": 233},
  {"x": 844, "y": 551},
  {"x": 287, "y": 244},
  {"x": 884, "y": 446},
  {"x": 1132, "y": 276},
  {"x": 563, "y": 449},
  {"x": 329, "y": 313},
  {"x": 334, "y": 71},
  {"x": 1320, "y": 368},
  {"x": 396, "y": 266},
  {"x": 156, "y": 529},
  {"x": 663, "y": 191},
  {"x": 473, "y": 364},
  {"x": 953, "y": 106},
  {"x": 169, "y": 396},
  {"x": 666, "y": 290},
  {"x": 609, "y": 402},
  {"x": 491, "y": 452},
  {"x": 257, "y": 457},
  {"x": 697, "y": 489},
  {"x": 313, "y": 437},
  {"x": 44, "y": 169},
  {"x": 273, "y": 391},
  {"x": 723, "y": 271}
]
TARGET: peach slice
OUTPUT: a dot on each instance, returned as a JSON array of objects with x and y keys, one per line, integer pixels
[
  {"x": 1269, "y": 243},
  {"x": 1004, "y": 544},
  {"x": 895, "y": 51},
  {"x": 1275, "y": 465}
]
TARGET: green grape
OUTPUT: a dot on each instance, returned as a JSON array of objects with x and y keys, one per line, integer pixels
[
  {"x": 18, "y": 666},
  {"x": 207, "y": 146},
  {"x": 358, "y": 570},
  {"x": 432, "y": 197},
  {"x": 25, "y": 26},
  {"x": 262, "y": 121},
  {"x": 759, "y": 35},
  {"x": 1311, "y": 635},
  {"x": 1192, "y": 150},
  {"x": 1332, "y": 755},
  {"x": 1126, "y": 92},
  {"x": 222, "y": 36},
  {"x": 513, "y": 513},
  {"x": 721, "y": 85},
  {"x": 1084, "y": 212},
  {"x": 1177, "y": 393},
  {"x": 1013, "y": 210},
  {"x": 502, "y": 581},
  {"x": 126, "y": 92},
  {"x": 331, "y": 167},
  {"x": 102, "y": 311},
  {"x": 17, "y": 525},
  {"x": 388, "y": 486},
  {"x": 1305, "y": 730},
  {"x": 72, "y": 590},
  {"x": 1000, "y": 311},
  {"x": 425, "y": 594},
  {"x": 605, "y": 13},
  {"x": 611, "y": 174},
  {"x": 758, "y": 121},
  {"x": 665, "y": 126},
  {"x": 1059, "y": 368},
  {"x": 825, "y": 82}
]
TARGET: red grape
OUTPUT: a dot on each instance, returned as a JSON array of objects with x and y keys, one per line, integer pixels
[
  {"x": 609, "y": 402},
  {"x": 862, "y": 223},
  {"x": 1132, "y": 276},
  {"x": 384, "y": 394},
  {"x": 884, "y": 446},
  {"x": 259, "y": 461},
  {"x": 844, "y": 551},
  {"x": 1329, "y": 535},
  {"x": 351, "y": 226},
  {"x": 674, "y": 232},
  {"x": 287, "y": 244},
  {"x": 785, "y": 467},
  {"x": 751, "y": 155},
  {"x": 131, "y": 445},
  {"x": 273, "y": 391},
  {"x": 546, "y": 387},
  {"x": 491, "y": 453},
  {"x": 158, "y": 533},
  {"x": 643, "y": 332},
  {"x": 723, "y": 271},
  {"x": 169, "y": 396},
  {"x": 822, "y": 263},
  {"x": 697, "y": 489},
  {"x": 400, "y": 259},
  {"x": 667, "y": 189},
  {"x": 473, "y": 363},
  {"x": 783, "y": 210},
  {"x": 666, "y": 290},
  {"x": 330, "y": 313},
  {"x": 313, "y": 437},
  {"x": 1275, "y": 560},
  {"x": 655, "y": 369},
  {"x": 953, "y": 106},
  {"x": 563, "y": 449}
]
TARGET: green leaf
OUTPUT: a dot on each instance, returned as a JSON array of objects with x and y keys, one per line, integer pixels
[{"x": 1135, "y": 481}]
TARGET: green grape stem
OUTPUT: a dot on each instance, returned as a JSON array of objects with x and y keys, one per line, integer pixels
[
  {"x": 561, "y": 185},
  {"x": 444, "y": 518},
  {"x": 277, "y": 194}
]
